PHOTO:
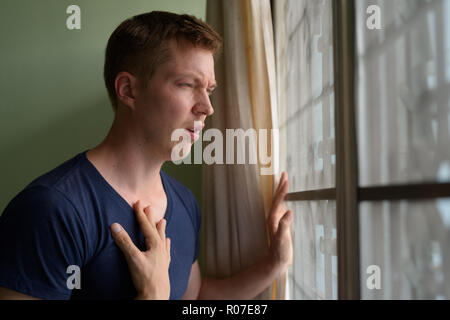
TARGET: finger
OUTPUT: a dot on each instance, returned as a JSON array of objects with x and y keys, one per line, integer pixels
[
  {"x": 124, "y": 242},
  {"x": 285, "y": 222},
  {"x": 279, "y": 196},
  {"x": 280, "y": 184},
  {"x": 149, "y": 214},
  {"x": 284, "y": 183},
  {"x": 282, "y": 180},
  {"x": 142, "y": 219},
  {"x": 154, "y": 226},
  {"x": 147, "y": 228},
  {"x": 168, "y": 247},
  {"x": 284, "y": 186},
  {"x": 162, "y": 228}
]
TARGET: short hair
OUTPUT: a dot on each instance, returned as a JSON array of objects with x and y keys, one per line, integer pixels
[{"x": 141, "y": 43}]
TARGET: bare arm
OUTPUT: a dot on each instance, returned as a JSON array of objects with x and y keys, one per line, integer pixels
[
  {"x": 245, "y": 285},
  {"x": 7, "y": 294},
  {"x": 248, "y": 283}
]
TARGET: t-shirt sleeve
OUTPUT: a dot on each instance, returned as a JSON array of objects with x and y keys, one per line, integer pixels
[{"x": 41, "y": 236}]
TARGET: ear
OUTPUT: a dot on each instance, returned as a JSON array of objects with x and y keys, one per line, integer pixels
[{"x": 126, "y": 89}]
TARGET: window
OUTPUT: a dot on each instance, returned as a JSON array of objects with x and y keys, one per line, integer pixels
[
  {"x": 403, "y": 122},
  {"x": 364, "y": 135},
  {"x": 305, "y": 37}
]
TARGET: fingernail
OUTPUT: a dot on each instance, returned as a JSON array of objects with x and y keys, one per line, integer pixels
[{"x": 116, "y": 228}]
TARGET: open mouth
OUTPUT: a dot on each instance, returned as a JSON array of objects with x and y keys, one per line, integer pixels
[
  {"x": 194, "y": 134},
  {"x": 194, "y": 131}
]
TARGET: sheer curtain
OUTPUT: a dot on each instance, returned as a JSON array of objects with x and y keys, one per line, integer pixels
[
  {"x": 403, "y": 79},
  {"x": 236, "y": 197},
  {"x": 304, "y": 55}
]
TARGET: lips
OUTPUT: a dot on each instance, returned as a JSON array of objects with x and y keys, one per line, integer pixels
[
  {"x": 194, "y": 131},
  {"x": 194, "y": 134}
]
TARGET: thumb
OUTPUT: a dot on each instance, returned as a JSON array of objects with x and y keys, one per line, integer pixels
[
  {"x": 285, "y": 221},
  {"x": 124, "y": 242}
]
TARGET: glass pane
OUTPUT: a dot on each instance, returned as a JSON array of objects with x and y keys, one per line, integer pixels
[
  {"x": 410, "y": 244},
  {"x": 305, "y": 60},
  {"x": 313, "y": 274},
  {"x": 403, "y": 99}
]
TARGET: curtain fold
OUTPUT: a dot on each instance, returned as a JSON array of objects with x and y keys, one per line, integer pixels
[{"x": 237, "y": 198}]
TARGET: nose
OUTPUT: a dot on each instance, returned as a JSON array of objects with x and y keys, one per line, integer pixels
[{"x": 203, "y": 104}]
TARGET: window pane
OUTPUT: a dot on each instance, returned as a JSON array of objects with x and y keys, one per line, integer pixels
[
  {"x": 410, "y": 243},
  {"x": 403, "y": 100},
  {"x": 305, "y": 62},
  {"x": 313, "y": 274}
]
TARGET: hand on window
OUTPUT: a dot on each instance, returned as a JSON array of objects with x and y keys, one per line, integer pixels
[
  {"x": 279, "y": 223},
  {"x": 149, "y": 269}
]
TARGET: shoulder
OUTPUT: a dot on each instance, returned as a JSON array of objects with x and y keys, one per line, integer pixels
[
  {"x": 58, "y": 175},
  {"x": 53, "y": 191},
  {"x": 40, "y": 195},
  {"x": 39, "y": 203}
]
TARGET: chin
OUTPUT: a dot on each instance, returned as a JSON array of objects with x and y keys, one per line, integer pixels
[{"x": 182, "y": 151}]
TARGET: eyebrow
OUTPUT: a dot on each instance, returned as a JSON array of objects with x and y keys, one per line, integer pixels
[{"x": 197, "y": 78}]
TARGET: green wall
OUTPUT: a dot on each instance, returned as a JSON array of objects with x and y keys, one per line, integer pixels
[{"x": 53, "y": 101}]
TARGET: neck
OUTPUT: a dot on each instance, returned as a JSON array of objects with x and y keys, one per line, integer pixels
[{"x": 127, "y": 160}]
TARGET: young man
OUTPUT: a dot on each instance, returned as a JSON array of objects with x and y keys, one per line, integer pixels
[{"x": 98, "y": 226}]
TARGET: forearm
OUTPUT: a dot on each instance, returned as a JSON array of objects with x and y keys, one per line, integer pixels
[{"x": 247, "y": 284}]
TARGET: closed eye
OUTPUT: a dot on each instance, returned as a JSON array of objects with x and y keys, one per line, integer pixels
[{"x": 211, "y": 90}]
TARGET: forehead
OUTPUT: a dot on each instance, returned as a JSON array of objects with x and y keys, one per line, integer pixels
[{"x": 187, "y": 59}]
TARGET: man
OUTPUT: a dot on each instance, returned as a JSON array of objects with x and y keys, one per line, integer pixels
[{"x": 109, "y": 223}]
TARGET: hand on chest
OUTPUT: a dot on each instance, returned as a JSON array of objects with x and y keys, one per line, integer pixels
[{"x": 156, "y": 201}]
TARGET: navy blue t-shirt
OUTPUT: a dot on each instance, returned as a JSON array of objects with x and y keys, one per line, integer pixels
[{"x": 63, "y": 219}]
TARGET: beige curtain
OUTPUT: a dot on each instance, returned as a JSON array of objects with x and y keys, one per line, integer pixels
[{"x": 237, "y": 198}]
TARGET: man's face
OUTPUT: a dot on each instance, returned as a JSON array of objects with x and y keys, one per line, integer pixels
[{"x": 176, "y": 96}]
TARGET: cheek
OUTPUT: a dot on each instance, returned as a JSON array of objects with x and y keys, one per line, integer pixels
[
  {"x": 167, "y": 108},
  {"x": 179, "y": 102}
]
